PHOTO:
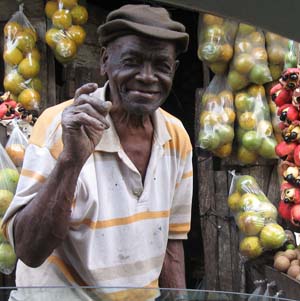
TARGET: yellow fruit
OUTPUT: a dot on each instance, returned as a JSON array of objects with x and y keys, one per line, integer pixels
[
  {"x": 251, "y": 247},
  {"x": 226, "y": 52},
  {"x": 34, "y": 54},
  {"x": 36, "y": 84},
  {"x": 66, "y": 48},
  {"x": 244, "y": 102},
  {"x": 272, "y": 236},
  {"x": 29, "y": 99},
  {"x": 259, "y": 54},
  {"x": 242, "y": 46},
  {"x": 11, "y": 29},
  {"x": 32, "y": 32},
  {"x": 223, "y": 151},
  {"x": 16, "y": 152},
  {"x": 29, "y": 68},
  {"x": 212, "y": 20},
  {"x": 53, "y": 35},
  {"x": 234, "y": 201},
  {"x": 245, "y": 29},
  {"x": 12, "y": 56},
  {"x": 7, "y": 257},
  {"x": 25, "y": 41},
  {"x": 62, "y": 19},
  {"x": 14, "y": 82},
  {"x": 276, "y": 71},
  {"x": 9, "y": 178},
  {"x": 264, "y": 128},
  {"x": 218, "y": 67},
  {"x": 247, "y": 121},
  {"x": 276, "y": 55},
  {"x": 229, "y": 115},
  {"x": 209, "y": 97},
  {"x": 208, "y": 118},
  {"x": 246, "y": 157},
  {"x": 50, "y": 8},
  {"x": 79, "y": 15},
  {"x": 226, "y": 98},
  {"x": 68, "y": 4},
  {"x": 256, "y": 90},
  {"x": 236, "y": 80},
  {"x": 243, "y": 63},
  {"x": 256, "y": 39},
  {"x": 5, "y": 199},
  {"x": 77, "y": 34}
]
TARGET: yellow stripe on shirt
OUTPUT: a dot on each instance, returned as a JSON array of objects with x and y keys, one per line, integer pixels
[
  {"x": 34, "y": 175},
  {"x": 179, "y": 228},
  {"x": 122, "y": 220}
]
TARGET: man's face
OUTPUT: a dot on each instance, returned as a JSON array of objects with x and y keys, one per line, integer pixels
[{"x": 140, "y": 72}]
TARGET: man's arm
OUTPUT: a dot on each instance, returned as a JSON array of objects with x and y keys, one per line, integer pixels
[
  {"x": 173, "y": 270},
  {"x": 43, "y": 223}
]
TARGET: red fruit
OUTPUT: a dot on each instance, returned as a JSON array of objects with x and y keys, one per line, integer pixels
[
  {"x": 284, "y": 210},
  {"x": 3, "y": 110},
  {"x": 11, "y": 103},
  {"x": 295, "y": 215},
  {"x": 286, "y": 150},
  {"x": 296, "y": 156},
  {"x": 288, "y": 112}
]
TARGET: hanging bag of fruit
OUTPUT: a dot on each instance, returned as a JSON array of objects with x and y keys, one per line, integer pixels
[
  {"x": 66, "y": 33},
  {"x": 215, "y": 42},
  {"x": 250, "y": 61},
  {"x": 255, "y": 216},
  {"x": 16, "y": 145},
  {"x": 9, "y": 178},
  {"x": 255, "y": 134},
  {"x": 290, "y": 58},
  {"x": 22, "y": 61},
  {"x": 217, "y": 118}
]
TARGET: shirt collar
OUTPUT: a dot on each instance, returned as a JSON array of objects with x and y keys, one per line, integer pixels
[{"x": 110, "y": 141}]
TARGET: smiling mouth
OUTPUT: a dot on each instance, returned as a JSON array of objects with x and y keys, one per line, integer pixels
[{"x": 142, "y": 93}]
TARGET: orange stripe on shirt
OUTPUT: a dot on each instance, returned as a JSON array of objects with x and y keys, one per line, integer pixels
[
  {"x": 179, "y": 228},
  {"x": 32, "y": 174},
  {"x": 122, "y": 220}
]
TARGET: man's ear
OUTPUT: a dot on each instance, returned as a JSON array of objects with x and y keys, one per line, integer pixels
[{"x": 103, "y": 60}]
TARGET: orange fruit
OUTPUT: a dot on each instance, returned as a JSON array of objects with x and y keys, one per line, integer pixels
[
  {"x": 244, "y": 102},
  {"x": 77, "y": 34},
  {"x": 256, "y": 90},
  {"x": 14, "y": 82},
  {"x": 226, "y": 52},
  {"x": 259, "y": 54},
  {"x": 223, "y": 151},
  {"x": 50, "y": 8},
  {"x": 211, "y": 20},
  {"x": 11, "y": 29},
  {"x": 53, "y": 35},
  {"x": 229, "y": 115},
  {"x": 66, "y": 48},
  {"x": 36, "y": 84},
  {"x": 62, "y": 19},
  {"x": 218, "y": 67},
  {"x": 276, "y": 55},
  {"x": 25, "y": 41},
  {"x": 79, "y": 15},
  {"x": 32, "y": 32},
  {"x": 34, "y": 54},
  {"x": 247, "y": 121},
  {"x": 243, "y": 63},
  {"x": 242, "y": 46},
  {"x": 208, "y": 118},
  {"x": 245, "y": 156},
  {"x": 256, "y": 39},
  {"x": 16, "y": 152},
  {"x": 12, "y": 56},
  {"x": 29, "y": 68},
  {"x": 209, "y": 97},
  {"x": 68, "y": 4},
  {"x": 29, "y": 99},
  {"x": 236, "y": 80},
  {"x": 226, "y": 97}
]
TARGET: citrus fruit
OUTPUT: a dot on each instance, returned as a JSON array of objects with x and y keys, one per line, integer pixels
[
  {"x": 36, "y": 84},
  {"x": 218, "y": 67},
  {"x": 250, "y": 222},
  {"x": 14, "y": 82},
  {"x": 245, "y": 156},
  {"x": 212, "y": 20},
  {"x": 251, "y": 247},
  {"x": 267, "y": 148},
  {"x": 11, "y": 29},
  {"x": 25, "y": 41},
  {"x": 267, "y": 210},
  {"x": 6, "y": 197},
  {"x": 52, "y": 37},
  {"x": 206, "y": 98},
  {"x": 245, "y": 29},
  {"x": 243, "y": 182},
  {"x": 259, "y": 54},
  {"x": 260, "y": 74},
  {"x": 223, "y": 151},
  {"x": 29, "y": 99},
  {"x": 242, "y": 46},
  {"x": 34, "y": 54},
  {"x": 225, "y": 133},
  {"x": 236, "y": 80},
  {"x": 62, "y": 19},
  {"x": 226, "y": 97},
  {"x": 208, "y": 140},
  {"x": 69, "y": 4},
  {"x": 208, "y": 118},
  {"x": 9, "y": 178},
  {"x": 79, "y": 15},
  {"x": 243, "y": 63},
  {"x": 29, "y": 68},
  {"x": 272, "y": 236},
  {"x": 32, "y": 32},
  {"x": 249, "y": 201},
  {"x": 12, "y": 56},
  {"x": 66, "y": 48},
  {"x": 251, "y": 140},
  {"x": 233, "y": 201},
  {"x": 290, "y": 59},
  {"x": 247, "y": 121},
  {"x": 16, "y": 152},
  {"x": 229, "y": 115},
  {"x": 7, "y": 257},
  {"x": 256, "y": 90},
  {"x": 213, "y": 33},
  {"x": 2, "y": 237},
  {"x": 244, "y": 102},
  {"x": 77, "y": 34},
  {"x": 276, "y": 71},
  {"x": 209, "y": 52},
  {"x": 50, "y": 8},
  {"x": 276, "y": 55},
  {"x": 264, "y": 128},
  {"x": 256, "y": 39},
  {"x": 226, "y": 52}
]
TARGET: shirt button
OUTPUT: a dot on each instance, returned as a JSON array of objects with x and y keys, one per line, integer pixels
[{"x": 137, "y": 192}]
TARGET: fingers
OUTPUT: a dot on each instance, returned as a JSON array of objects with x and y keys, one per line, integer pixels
[{"x": 85, "y": 89}]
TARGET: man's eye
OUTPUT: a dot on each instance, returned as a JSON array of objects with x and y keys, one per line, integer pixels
[
  {"x": 165, "y": 67},
  {"x": 130, "y": 62}
]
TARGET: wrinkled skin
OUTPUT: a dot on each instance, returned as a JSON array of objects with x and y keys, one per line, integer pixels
[{"x": 140, "y": 73}]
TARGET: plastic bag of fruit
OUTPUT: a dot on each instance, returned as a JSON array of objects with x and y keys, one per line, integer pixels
[
  {"x": 22, "y": 61},
  {"x": 290, "y": 58},
  {"x": 250, "y": 61},
  {"x": 16, "y": 145},
  {"x": 216, "y": 39},
  {"x": 9, "y": 177},
  {"x": 255, "y": 216},
  {"x": 217, "y": 118},
  {"x": 255, "y": 135},
  {"x": 66, "y": 33},
  {"x": 277, "y": 46}
]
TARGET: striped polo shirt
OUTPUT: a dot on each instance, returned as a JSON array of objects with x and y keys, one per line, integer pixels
[{"x": 119, "y": 225}]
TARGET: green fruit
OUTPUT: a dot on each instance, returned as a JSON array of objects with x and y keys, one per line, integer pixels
[
  {"x": 209, "y": 141},
  {"x": 290, "y": 247},
  {"x": 250, "y": 223},
  {"x": 236, "y": 80},
  {"x": 244, "y": 182},
  {"x": 245, "y": 29},
  {"x": 209, "y": 52},
  {"x": 267, "y": 148},
  {"x": 260, "y": 74},
  {"x": 5, "y": 199},
  {"x": 251, "y": 247},
  {"x": 225, "y": 132},
  {"x": 290, "y": 60},
  {"x": 9, "y": 179},
  {"x": 272, "y": 236},
  {"x": 243, "y": 102},
  {"x": 251, "y": 140},
  {"x": 7, "y": 257},
  {"x": 268, "y": 211},
  {"x": 249, "y": 201}
]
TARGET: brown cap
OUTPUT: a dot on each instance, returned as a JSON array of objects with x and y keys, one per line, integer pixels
[{"x": 146, "y": 20}]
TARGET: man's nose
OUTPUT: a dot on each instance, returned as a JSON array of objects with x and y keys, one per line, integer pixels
[{"x": 147, "y": 73}]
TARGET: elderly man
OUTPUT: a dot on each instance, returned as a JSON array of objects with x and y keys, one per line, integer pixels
[{"x": 104, "y": 197}]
